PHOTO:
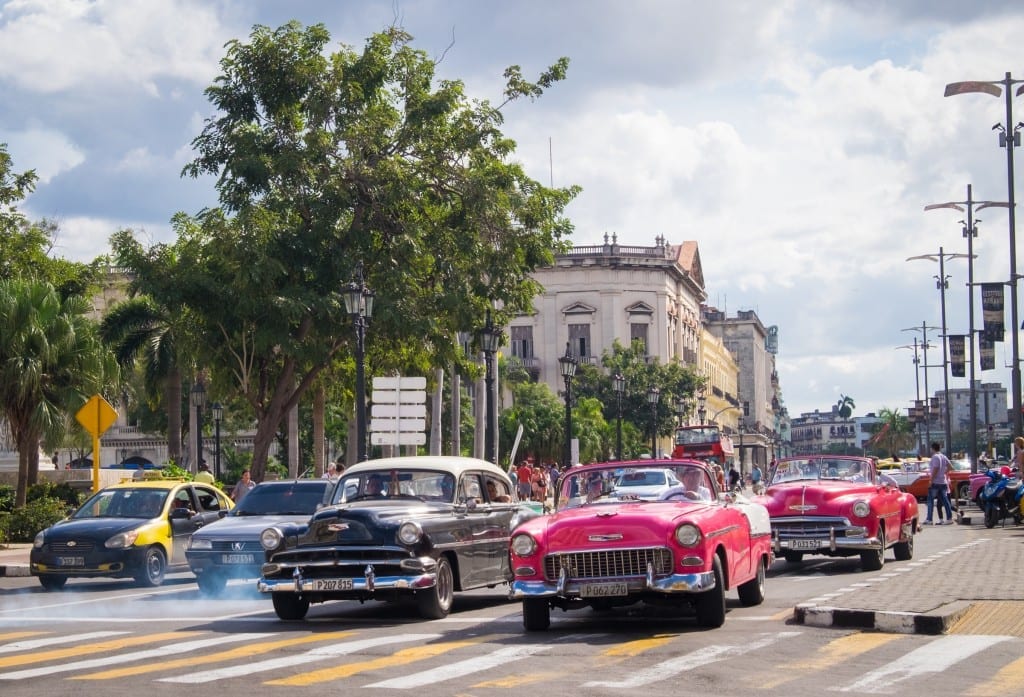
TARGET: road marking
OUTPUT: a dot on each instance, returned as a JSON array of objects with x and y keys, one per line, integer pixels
[
  {"x": 674, "y": 666},
  {"x": 461, "y": 669},
  {"x": 247, "y": 651},
  {"x": 835, "y": 652},
  {"x": 935, "y": 657},
  {"x": 112, "y": 645},
  {"x": 1012, "y": 674},
  {"x": 317, "y": 655},
  {"x": 400, "y": 658},
  {"x": 52, "y": 640}
]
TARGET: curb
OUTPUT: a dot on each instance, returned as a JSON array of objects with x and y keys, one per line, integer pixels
[
  {"x": 935, "y": 622},
  {"x": 14, "y": 570}
]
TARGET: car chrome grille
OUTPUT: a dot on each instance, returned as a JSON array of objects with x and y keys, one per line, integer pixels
[
  {"x": 229, "y": 546},
  {"x": 809, "y": 527},
  {"x": 76, "y": 547},
  {"x": 612, "y": 563}
]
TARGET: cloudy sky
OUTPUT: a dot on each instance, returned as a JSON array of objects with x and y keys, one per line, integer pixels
[{"x": 797, "y": 142}]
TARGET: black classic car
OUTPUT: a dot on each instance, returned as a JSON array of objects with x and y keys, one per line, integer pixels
[{"x": 420, "y": 527}]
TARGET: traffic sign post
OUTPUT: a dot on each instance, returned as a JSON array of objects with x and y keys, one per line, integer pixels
[
  {"x": 96, "y": 416},
  {"x": 399, "y": 411}
]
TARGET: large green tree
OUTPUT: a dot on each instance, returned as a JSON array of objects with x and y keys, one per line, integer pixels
[
  {"x": 51, "y": 362},
  {"x": 329, "y": 162}
]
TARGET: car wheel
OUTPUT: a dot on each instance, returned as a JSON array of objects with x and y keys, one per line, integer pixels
[
  {"x": 290, "y": 606},
  {"x": 904, "y": 551},
  {"x": 963, "y": 491},
  {"x": 536, "y": 614},
  {"x": 154, "y": 566},
  {"x": 873, "y": 559},
  {"x": 752, "y": 592},
  {"x": 793, "y": 557},
  {"x": 435, "y": 603},
  {"x": 52, "y": 583},
  {"x": 211, "y": 583},
  {"x": 711, "y": 604}
]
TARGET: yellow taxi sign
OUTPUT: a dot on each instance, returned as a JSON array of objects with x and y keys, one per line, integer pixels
[{"x": 96, "y": 416}]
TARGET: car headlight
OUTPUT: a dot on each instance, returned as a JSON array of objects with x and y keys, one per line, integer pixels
[
  {"x": 861, "y": 509},
  {"x": 200, "y": 544},
  {"x": 122, "y": 540},
  {"x": 40, "y": 539},
  {"x": 523, "y": 545},
  {"x": 271, "y": 538},
  {"x": 409, "y": 533},
  {"x": 687, "y": 535}
]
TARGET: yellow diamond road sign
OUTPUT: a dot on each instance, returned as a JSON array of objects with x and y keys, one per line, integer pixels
[{"x": 96, "y": 416}]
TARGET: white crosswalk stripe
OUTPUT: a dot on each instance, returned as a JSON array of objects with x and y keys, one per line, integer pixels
[
  {"x": 33, "y": 644},
  {"x": 674, "y": 666},
  {"x": 316, "y": 655},
  {"x": 463, "y": 668}
]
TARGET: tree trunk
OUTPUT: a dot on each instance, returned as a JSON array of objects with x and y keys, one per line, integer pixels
[
  {"x": 293, "y": 443},
  {"x": 319, "y": 441},
  {"x": 173, "y": 406}
]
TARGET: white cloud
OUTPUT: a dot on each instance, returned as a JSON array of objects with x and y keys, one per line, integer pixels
[{"x": 48, "y": 152}]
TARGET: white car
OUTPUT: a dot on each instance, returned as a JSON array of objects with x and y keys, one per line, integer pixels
[{"x": 646, "y": 484}]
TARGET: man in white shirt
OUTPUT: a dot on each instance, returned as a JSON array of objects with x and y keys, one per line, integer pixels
[{"x": 938, "y": 491}]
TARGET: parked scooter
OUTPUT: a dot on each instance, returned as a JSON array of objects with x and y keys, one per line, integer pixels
[{"x": 1001, "y": 497}]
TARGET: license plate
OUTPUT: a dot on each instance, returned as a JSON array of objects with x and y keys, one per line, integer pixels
[
  {"x": 237, "y": 559},
  {"x": 70, "y": 561},
  {"x": 603, "y": 590},
  {"x": 803, "y": 544},
  {"x": 332, "y": 584}
]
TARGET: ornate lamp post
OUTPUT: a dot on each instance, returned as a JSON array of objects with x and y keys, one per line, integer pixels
[
  {"x": 682, "y": 409},
  {"x": 359, "y": 306},
  {"x": 653, "y": 395},
  {"x": 218, "y": 415},
  {"x": 619, "y": 383},
  {"x": 490, "y": 338},
  {"x": 567, "y": 365},
  {"x": 702, "y": 405},
  {"x": 198, "y": 399}
]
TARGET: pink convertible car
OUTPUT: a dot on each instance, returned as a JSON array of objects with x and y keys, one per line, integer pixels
[
  {"x": 838, "y": 506},
  {"x": 611, "y": 542}
]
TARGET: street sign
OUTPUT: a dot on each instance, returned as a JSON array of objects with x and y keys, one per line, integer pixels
[
  {"x": 394, "y": 411},
  {"x": 393, "y": 438},
  {"x": 96, "y": 416},
  {"x": 399, "y": 383},
  {"x": 399, "y": 397},
  {"x": 385, "y": 425}
]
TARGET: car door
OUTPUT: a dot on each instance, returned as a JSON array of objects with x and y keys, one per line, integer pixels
[{"x": 183, "y": 524}]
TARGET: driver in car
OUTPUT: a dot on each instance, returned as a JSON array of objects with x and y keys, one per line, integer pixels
[{"x": 692, "y": 488}]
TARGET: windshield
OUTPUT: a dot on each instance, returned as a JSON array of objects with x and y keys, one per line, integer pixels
[
  {"x": 283, "y": 499},
  {"x": 700, "y": 434},
  {"x": 123, "y": 503},
  {"x": 804, "y": 469},
  {"x": 618, "y": 483},
  {"x": 428, "y": 485}
]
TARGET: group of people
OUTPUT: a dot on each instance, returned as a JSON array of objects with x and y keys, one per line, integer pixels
[{"x": 535, "y": 481}]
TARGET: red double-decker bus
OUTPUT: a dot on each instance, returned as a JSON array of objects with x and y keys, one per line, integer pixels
[{"x": 705, "y": 442}]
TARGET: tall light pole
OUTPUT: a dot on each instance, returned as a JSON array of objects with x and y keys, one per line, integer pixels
[
  {"x": 653, "y": 395},
  {"x": 619, "y": 383},
  {"x": 970, "y": 231},
  {"x": 198, "y": 399},
  {"x": 218, "y": 415},
  {"x": 490, "y": 338},
  {"x": 567, "y": 366},
  {"x": 1009, "y": 138},
  {"x": 942, "y": 283},
  {"x": 917, "y": 387},
  {"x": 682, "y": 408},
  {"x": 359, "y": 306},
  {"x": 702, "y": 406},
  {"x": 924, "y": 351}
]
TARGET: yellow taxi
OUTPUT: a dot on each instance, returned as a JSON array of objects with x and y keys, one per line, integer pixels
[{"x": 134, "y": 529}]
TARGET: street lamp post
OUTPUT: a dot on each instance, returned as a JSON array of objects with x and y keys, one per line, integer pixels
[
  {"x": 567, "y": 365},
  {"x": 218, "y": 415},
  {"x": 1009, "y": 138},
  {"x": 702, "y": 406},
  {"x": 359, "y": 306},
  {"x": 198, "y": 399},
  {"x": 924, "y": 345},
  {"x": 917, "y": 387},
  {"x": 682, "y": 409},
  {"x": 653, "y": 395},
  {"x": 619, "y": 383},
  {"x": 490, "y": 338}
]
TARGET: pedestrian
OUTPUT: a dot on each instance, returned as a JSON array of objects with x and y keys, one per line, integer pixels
[
  {"x": 1018, "y": 454},
  {"x": 334, "y": 471},
  {"x": 938, "y": 490},
  {"x": 755, "y": 478},
  {"x": 204, "y": 475},
  {"x": 243, "y": 487},
  {"x": 734, "y": 478},
  {"x": 539, "y": 484},
  {"x": 524, "y": 479},
  {"x": 719, "y": 476}
]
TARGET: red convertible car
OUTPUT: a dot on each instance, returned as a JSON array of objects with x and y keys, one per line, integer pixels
[
  {"x": 838, "y": 506},
  {"x": 605, "y": 546}
]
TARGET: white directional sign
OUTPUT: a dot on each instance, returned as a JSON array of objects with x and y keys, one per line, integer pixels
[
  {"x": 399, "y": 411},
  {"x": 394, "y": 411},
  {"x": 397, "y": 383},
  {"x": 398, "y": 438},
  {"x": 399, "y": 397},
  {"x": 383, "y": 425}
]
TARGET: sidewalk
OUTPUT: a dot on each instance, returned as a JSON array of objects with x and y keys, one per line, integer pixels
[{"x": 14, "y": 559}]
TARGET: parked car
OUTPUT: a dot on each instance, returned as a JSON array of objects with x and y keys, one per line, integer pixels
[
  {"x": 838, "y": 506},
  {"x": 417, "y": 527},
  {"x": 644, "y": 483},
  {"x": 230, "y": 548},
  {"x": 135, "y": 529},
  {"x": 600, "y": 549}
]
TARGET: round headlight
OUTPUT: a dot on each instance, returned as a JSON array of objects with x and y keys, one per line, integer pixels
[
  {"x": 410, "y": 533},
  {"x": 271, "y": 538},
  {"x": 40, "y": 539},
  {"x": 687, "y": 535},
  {"x": 122, "y": 540},
  {"x": 861, "y": 509},
  {"x": 193, "y": 543},
  {"x": 523, "y": 545}
]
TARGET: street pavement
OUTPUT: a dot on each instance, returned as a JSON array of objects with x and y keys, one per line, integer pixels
[{"x": 977, "y": 576}]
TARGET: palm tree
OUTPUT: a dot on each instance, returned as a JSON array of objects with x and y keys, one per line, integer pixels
[
  {"x": 51, "y": 361},
  {"x": 844, "y": 408},
  {"x": 138, "y": 328},
  {"x": 895, "y": 433}
]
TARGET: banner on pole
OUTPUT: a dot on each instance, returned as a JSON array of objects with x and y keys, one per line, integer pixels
[
  {"x": 956, "y": 355},
  {"x": 992, "y": 313},
  {"x": 987, "y": 351}
]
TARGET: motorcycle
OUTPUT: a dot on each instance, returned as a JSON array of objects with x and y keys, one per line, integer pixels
[{"x": 1001, "y": 497}]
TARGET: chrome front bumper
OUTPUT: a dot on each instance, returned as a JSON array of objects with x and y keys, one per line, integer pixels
[
  {"x": 564, "y": 588},
  {"x": 366, "y": 584},
  {"x": 825, "y": 545}
]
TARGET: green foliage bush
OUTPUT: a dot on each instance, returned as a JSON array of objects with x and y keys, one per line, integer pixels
[
  {"x": 69, "y": 495},
  {"x": 22, "y": 524},
  {"x": 7, "y": 494}
]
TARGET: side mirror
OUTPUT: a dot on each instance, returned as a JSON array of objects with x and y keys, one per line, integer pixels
[{"x": 180, "y": 514}]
